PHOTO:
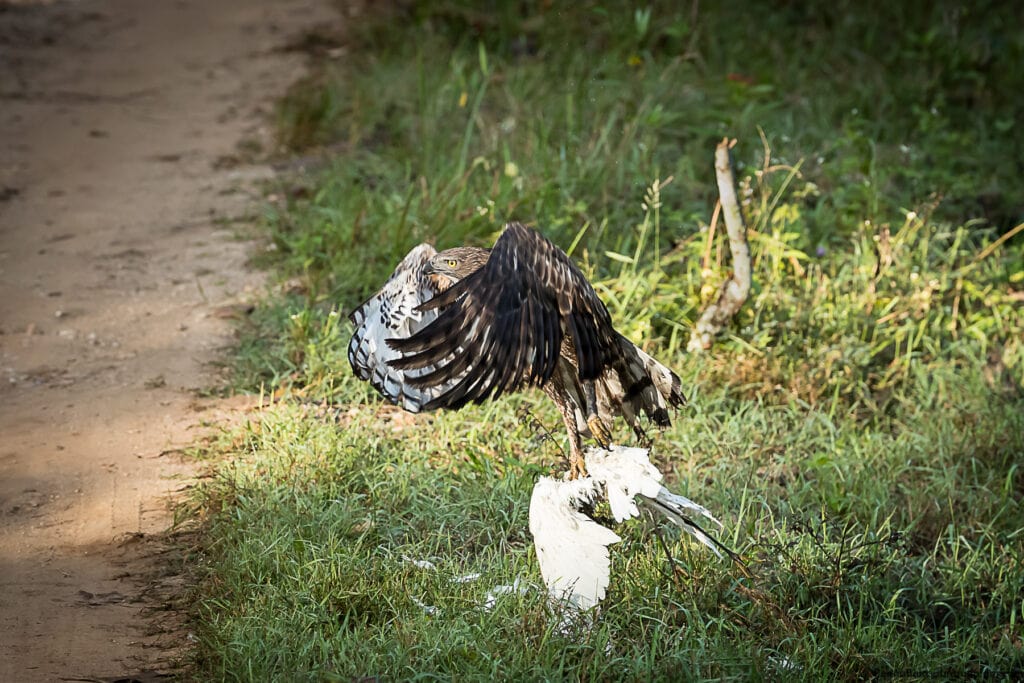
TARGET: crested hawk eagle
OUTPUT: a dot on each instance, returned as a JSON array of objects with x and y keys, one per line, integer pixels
[{"x": 468, "y": 324}]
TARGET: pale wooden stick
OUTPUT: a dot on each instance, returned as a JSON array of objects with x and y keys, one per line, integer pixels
[{"x": 734, "y": 291}]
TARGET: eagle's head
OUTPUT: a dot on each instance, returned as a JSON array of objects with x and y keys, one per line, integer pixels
[{"x": 451, "y": 265}]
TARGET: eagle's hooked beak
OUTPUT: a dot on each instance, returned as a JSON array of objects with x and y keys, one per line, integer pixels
[{"x": 442, "y": 281}]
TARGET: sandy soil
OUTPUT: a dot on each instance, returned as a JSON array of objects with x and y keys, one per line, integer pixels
[{"x": 118, "y": 264}]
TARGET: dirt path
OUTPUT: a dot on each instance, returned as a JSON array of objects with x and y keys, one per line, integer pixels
[{"x": 116, "y": 255}]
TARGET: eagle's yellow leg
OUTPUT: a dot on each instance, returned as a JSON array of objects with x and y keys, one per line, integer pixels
[
  {"x": 577, "y": 468},
  {"x": 567, "y": 403},
  {"x": 598, "y": 429},
  {"x": 600, "y": 432}
]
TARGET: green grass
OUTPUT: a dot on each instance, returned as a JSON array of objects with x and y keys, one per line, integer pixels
[{"x": 859, "y": 428}]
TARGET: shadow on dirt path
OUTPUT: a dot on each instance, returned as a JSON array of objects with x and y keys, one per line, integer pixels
[{"x": 117, "y": 252}]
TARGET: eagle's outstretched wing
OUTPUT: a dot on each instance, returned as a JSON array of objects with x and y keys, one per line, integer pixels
[
  {"x": 394, "y": 311},
  {"x": 503, "y": 325}
]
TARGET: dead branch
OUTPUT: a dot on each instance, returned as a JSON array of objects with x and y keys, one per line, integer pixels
[{"x": 734, "y": 291}]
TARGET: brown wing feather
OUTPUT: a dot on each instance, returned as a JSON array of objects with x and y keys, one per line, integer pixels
[{"x": 502, "y": 326}]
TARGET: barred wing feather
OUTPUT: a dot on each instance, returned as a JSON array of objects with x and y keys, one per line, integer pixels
[{"x": 395, "y": 311}]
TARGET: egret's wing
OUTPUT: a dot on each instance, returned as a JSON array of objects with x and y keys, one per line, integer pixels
[
  {"x": 629, "y": 475},
  {"x": 503, "y": 326},
  {"x": 625, "y": 473},
  {"x": 394, "y": 312},
  {"x": 572, "y": 549}
]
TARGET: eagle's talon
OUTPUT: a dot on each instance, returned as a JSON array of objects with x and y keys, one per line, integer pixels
[
  {"x": 600, "y": 432},
  {"x": 577, "y": 468}
]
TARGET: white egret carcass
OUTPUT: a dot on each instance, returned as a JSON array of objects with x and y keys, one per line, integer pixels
[{"x": 572, "y": 548}]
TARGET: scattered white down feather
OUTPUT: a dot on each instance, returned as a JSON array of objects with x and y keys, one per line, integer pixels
[{"x": 572, "y": 549}]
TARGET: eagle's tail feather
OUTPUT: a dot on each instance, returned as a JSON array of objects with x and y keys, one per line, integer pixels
[{"x": 635, "y": 384}]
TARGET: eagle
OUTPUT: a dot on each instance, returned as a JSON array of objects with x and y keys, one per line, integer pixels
[{"x": 468, "y": 324}]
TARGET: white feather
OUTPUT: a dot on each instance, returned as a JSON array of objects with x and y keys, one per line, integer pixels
[
  {"x": 572, "y": 549},
  {"x": 627, "y": 473}
]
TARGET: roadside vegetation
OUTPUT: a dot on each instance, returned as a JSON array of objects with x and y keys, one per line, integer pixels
[{"x": 859, "y": 428}]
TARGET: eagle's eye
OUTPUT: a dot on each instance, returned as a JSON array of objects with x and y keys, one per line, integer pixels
[{"x": 452, "y": 263}]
